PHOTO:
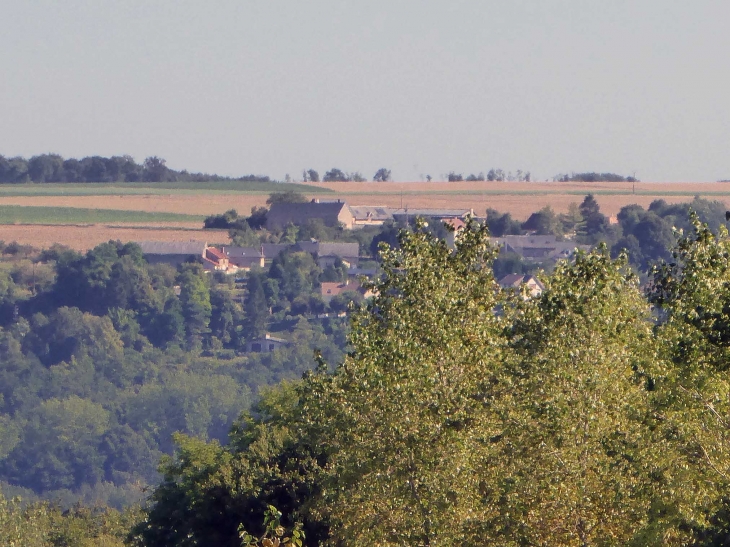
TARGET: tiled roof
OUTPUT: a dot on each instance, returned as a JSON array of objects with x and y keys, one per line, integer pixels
[{"x": 220, "y": 255}]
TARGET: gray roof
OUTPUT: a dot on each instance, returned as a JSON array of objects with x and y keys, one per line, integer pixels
[
  {"x": 372, "y": 212},
  {"x": 272, "y": 250},
  {"x": 327, "y": 248},
  {"x": 282, "y": 214},
  {"x": 435, "y": 213},
  {"x": 243, "y": 252},
  {"x": 173, "y": 247}
]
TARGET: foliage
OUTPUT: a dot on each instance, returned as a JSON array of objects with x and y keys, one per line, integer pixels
[
  {"x": 594, "y": 177},
  {"x": 46, "y": 525},
  {"x": 335, "y": 175},
  {"x": 275, "y": 534},
  {"x": 382, "y": 175},
  {"x": 53, "y": 168},
  {"x": 286, "y": 197}
]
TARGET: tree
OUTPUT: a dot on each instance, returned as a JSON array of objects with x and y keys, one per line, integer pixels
[
  {"x": 195, "y": 301},
  {"x": 691, "y": 382},
  {"x": 580, "y": 456},
  {"x": 255, "y": 308},
  {"x": 335, "y": 175},
  {"x": 45, "y": 168},
  {"x": 402, "y": 418},
  {"x": 257, "y": 219},
  {"x": 594, "y": 225},
  {"x": 496, "y": 175},
  {"x": 544, "y": 222},
  {"x": 502, "y": 224},
  {"x": 289, "y": 196},
  {"x": 313, "y": 175},
  {"x": 155, "y": 170},
  {"x": 221, "y": 222},
  {"x": 382, "y": 175},
  {"x": 454, "y": 177}
]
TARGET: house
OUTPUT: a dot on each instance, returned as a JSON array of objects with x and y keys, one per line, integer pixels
[
  {"x": 245, "y": 257},
  {"x": 172, "y": 252},
  {"x": 216, "y": 260},
  {"x": 266, "y": 344},
  {"x": 371, "y": 215},
  {"x": 334, "y": 288},
  {"x": 175, "y": 253},
  {"x": 331, "y": 213},
  {"x": 516, "y": 281},
  {"x": 538, "y": 248},
  {"x": 456, "y": 225}
]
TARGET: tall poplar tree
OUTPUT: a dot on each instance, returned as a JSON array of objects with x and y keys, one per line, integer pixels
[{"x": 410, "y": 416}]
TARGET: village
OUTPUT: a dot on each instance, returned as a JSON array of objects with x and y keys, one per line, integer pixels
[{"x": 237, "y": 261}]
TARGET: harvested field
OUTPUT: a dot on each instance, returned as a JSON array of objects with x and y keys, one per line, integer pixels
[
  {"x": 83, "y": 238},
  {"x": 520, "y": 199}
]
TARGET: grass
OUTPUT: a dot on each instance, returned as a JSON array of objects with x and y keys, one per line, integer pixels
[
  {"x": 153, "y": 188},
  {"x": 16, "y": 214}
]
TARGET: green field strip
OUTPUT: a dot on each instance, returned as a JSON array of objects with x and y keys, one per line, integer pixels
[{"x": 19, "y": 214}]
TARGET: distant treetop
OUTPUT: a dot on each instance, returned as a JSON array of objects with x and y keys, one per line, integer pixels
[
  {"x": 286, "y": 197},
  {"x": 593, "y": 177}
]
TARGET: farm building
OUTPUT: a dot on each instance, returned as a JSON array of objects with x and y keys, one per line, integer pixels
[{"x": 331, "y": 213}]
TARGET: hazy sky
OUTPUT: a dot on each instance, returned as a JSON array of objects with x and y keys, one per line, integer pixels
[{"x": 419, "y": 86}]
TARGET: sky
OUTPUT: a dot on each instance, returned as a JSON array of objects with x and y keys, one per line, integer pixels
[{"x": 422, "y": 87}]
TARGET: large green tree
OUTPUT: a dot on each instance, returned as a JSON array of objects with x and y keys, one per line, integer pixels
[{"x": 407, "y": 419}]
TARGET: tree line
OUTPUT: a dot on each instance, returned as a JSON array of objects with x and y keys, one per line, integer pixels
[{"x": 54, "y": 168}]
